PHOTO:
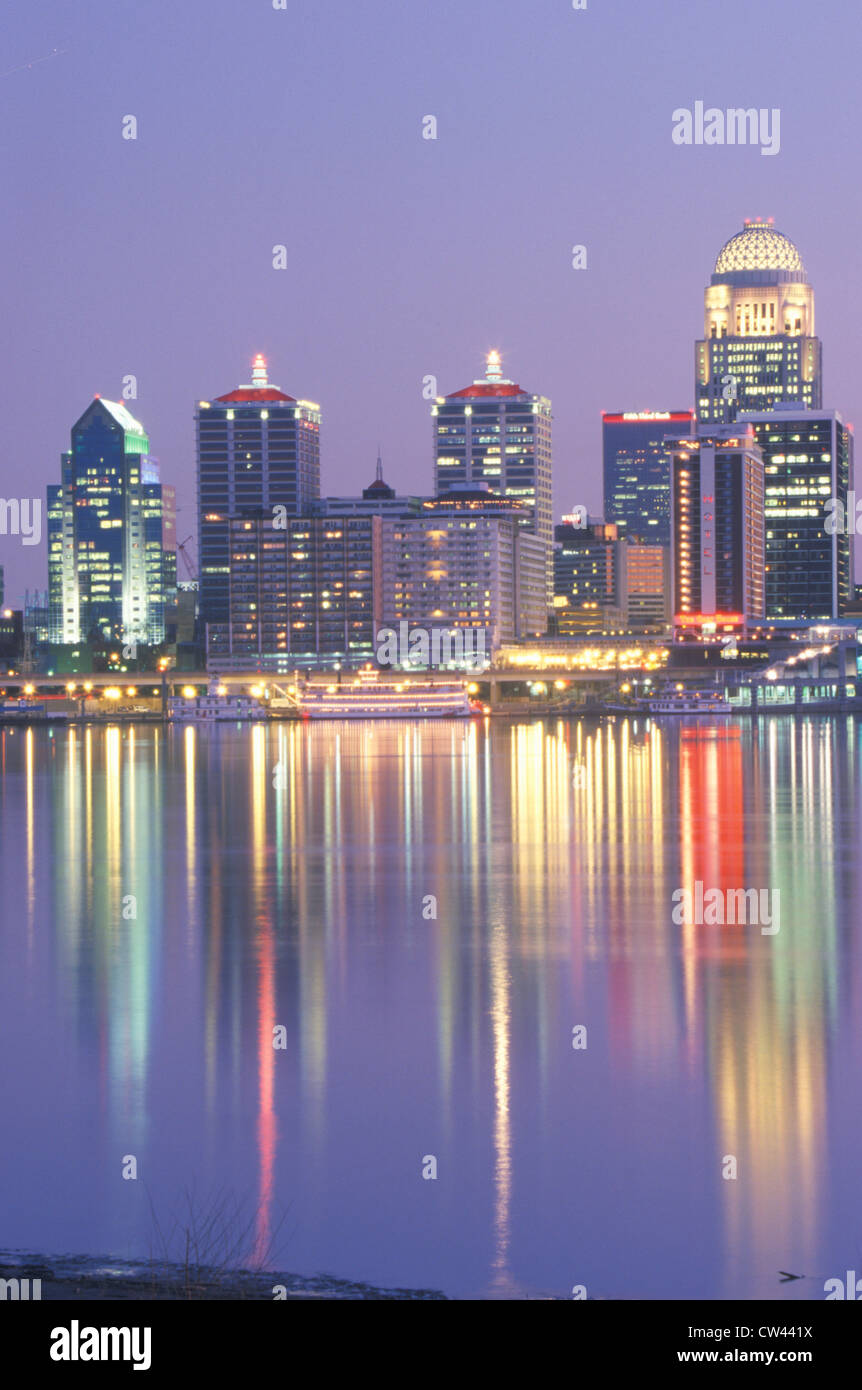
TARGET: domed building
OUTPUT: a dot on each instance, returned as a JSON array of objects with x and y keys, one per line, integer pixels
[{"x": 759, "y": 348}]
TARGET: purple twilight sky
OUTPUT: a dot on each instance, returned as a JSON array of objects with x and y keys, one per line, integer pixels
[{"x": 406, "y": 256}]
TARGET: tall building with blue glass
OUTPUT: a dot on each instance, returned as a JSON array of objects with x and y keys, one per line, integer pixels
[
  {"x": 110, "y": 567},
  {"x": 636, "y": 463}
]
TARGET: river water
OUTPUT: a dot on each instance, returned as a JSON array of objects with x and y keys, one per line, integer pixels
[{"x": 419, "y": 915}]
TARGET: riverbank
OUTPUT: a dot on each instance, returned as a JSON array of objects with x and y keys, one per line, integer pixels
[{"x": 87, "y": 1279}]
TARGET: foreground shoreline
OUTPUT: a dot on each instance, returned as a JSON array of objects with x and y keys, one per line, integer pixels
[{"x": 89, "y": 1279}]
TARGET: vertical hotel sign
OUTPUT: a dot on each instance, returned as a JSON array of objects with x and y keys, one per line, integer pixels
[{"x": 707, "y": 529}]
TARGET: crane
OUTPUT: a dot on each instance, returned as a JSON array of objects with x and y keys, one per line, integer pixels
[{"x": 190, "y": 568}]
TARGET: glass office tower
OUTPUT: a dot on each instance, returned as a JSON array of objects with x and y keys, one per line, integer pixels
[
  {"x": 808, "y": 459},
  {"x": 636, "y": 465},
  {"x": 110, "y": 574}
]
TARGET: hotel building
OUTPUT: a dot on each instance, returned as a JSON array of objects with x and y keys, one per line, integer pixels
[
  {"x": 465, "y": 560},
  {"x": 717, "y": 533}
]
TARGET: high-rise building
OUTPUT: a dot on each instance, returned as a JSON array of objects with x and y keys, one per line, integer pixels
[
  {"x": 759, "y": 346},
  {"x": 109, "y": 573},
  {"x": 495, "y": 433},
  {"x": 636, "y": 467},
  {"x": 717, "y": 532},
  {"x": 807, "y": 460},
  {"x": 301, "y": 595},
  {"x": 257, "y": 449}
]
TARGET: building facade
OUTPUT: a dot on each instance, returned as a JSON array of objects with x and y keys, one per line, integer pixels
[
  {"x": 493, "y": 433},
  {"x": 636, "y": 469},
  {"x": 461, "y": 564},
  {"x": 110, "y": 574},
  {"x": 759, "y": 347},
  {"x": 807, "y": 460},
  {"x": 302, "y": 595},
  {"x": 257, "y": 449},
  {"x": 604, "y": 583},
  {"x": 717, "y": 533}
]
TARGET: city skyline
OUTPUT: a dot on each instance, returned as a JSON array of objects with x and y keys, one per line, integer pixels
[
  {"x": 431, "y": 668},
  {"x": 372, "y": 302}
]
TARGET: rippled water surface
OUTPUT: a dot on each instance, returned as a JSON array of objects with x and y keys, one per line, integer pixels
[{"x": 169, "y": 898}]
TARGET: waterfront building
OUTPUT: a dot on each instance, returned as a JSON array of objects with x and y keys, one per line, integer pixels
[
  {"x": 466, "y": 560},
  {"x": 759, "y": 346},
  {"x": 717, "y": 533},
  {"x": 302, "y": 595},
  {"x": 11, "y": 638},
  {"x": 257, "y": 449},
  {"x": 111, "y": 570},
  {"x": 807, "y": 460},
  {"x": 494, "y": 433},
  {"x": 636, "y": 468},
  {"x": 606, "y": 583}
]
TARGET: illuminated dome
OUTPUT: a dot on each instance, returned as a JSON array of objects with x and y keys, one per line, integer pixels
[{"x": 759, "y": 250}]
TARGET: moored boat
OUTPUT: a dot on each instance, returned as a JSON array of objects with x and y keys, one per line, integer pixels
[
  {"x": 216, "y": 707},
  {"x": 368, "y": 696}
]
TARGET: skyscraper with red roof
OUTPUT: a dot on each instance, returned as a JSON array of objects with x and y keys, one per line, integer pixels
[
  {"x": 495, "y": 434},
  {"x": 257, "y": 449}
]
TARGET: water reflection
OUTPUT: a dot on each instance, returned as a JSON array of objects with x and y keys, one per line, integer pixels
[{"x": 175, "y": 896}]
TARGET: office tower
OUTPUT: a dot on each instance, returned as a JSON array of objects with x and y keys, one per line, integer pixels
[
  {"x": 301, "y": 595},
  {"x": 636, "y": 467},
  {"x": 717, "y": 532},
  {"x": 604, "y": 583},
  {"x": 109, "y": 574},
  {"x": 465, "y": 561},
  {"x": 759, "y": 347},
  {"x": 807, "y": 459},
  {"x": 257, "y": 449},
  {"x": 495, "y": 433}
]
